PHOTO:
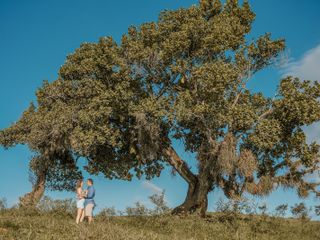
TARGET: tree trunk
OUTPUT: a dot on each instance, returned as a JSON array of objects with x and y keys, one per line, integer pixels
[
  {"x": 196, "y": 201},
  {"x": 32, "y": 198}
]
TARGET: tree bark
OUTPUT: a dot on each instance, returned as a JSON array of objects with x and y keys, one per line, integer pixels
[
  {"x": 196, "y": 201},
  {"x": 32, "y": 198}
]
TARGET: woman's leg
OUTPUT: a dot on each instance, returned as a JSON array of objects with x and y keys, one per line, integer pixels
[
  {"x": 82, "y": 215},
  {"x": 79, "y": 212}
]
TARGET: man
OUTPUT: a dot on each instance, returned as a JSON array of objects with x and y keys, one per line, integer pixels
[{"x": 89, "y": 202}]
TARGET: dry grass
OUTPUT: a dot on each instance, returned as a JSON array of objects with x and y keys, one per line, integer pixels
[{"x": 33, "y": 225}]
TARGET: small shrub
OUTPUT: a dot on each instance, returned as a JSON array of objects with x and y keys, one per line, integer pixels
[
  {"x": 235, "y": 206},
  {"x": 49, "y": 205},
  {"x": 263, "y": 209},
  {"x": 121, "y": 213},
  {"x": 107, "y": 212},
  {"x": 3, "y": 204},
  {"x": 230, "y": 210},
  {"x": 232, "y": 214},
  {"x": 317, "y": 210},
  {"x": 138, "y": 210},
  {"x": 281, "y": 210},
  {"x": 223, "y": 206},
  {"x": 300, "y": 211},
  {"x": 160, "y": 203}
]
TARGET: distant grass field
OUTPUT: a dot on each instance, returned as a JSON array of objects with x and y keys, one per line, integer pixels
[{"x": 33, "y": 225}]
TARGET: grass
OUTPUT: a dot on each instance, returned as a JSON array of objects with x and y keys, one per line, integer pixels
[{"x": 34, "y": 225}]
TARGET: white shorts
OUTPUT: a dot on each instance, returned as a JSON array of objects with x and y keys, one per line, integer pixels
[{"x": 80, "y": 203}]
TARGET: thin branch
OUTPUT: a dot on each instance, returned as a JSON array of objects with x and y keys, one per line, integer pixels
[
  {"x": 243, "y": 85},
  {"x": 238, "y": 95},
  {"x": 266, "y": 113}
]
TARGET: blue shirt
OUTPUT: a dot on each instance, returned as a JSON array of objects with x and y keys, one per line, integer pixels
[{"x": 90, "y": 195}]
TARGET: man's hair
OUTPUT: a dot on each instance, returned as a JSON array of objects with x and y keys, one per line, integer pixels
[{"x": 90, "y": 180}]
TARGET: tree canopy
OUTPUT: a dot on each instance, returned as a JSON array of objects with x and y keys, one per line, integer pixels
[{"x": 184, "y": 77}]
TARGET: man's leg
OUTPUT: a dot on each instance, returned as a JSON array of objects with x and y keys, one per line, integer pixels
[{"x": 89, "y": 212}]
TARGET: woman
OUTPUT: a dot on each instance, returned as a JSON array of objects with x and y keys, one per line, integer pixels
[{"x": 80, "y": 201}]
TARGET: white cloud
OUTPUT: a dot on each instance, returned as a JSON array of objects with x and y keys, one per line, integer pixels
[
  {"x": 313, "y": 132},
  {"x": 152, "y": 187},
  {"x": 312, "y": 177},
  {"x": 307, "y": 68}
]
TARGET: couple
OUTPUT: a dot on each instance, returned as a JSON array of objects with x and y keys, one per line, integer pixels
[{"x": 85, "y": 202}]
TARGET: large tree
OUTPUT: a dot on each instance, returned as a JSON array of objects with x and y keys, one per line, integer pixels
[{"x": 184, "y": 77}]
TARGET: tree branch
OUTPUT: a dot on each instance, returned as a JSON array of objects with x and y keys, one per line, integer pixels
[
  {"x": 265, "y": 114},
  {"x": 238, "y": 96},
  {"x": 243, "y": 84},
  {"x": 179, "y": 165}
]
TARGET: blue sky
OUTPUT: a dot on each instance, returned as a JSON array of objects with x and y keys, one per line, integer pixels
[{"x": 36, "y": 36}]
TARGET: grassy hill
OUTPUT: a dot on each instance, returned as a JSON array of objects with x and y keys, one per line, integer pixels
[{"x": 31, "y": 224}]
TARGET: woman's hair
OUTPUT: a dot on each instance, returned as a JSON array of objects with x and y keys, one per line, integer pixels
[{"x": 78, "y": 184}]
